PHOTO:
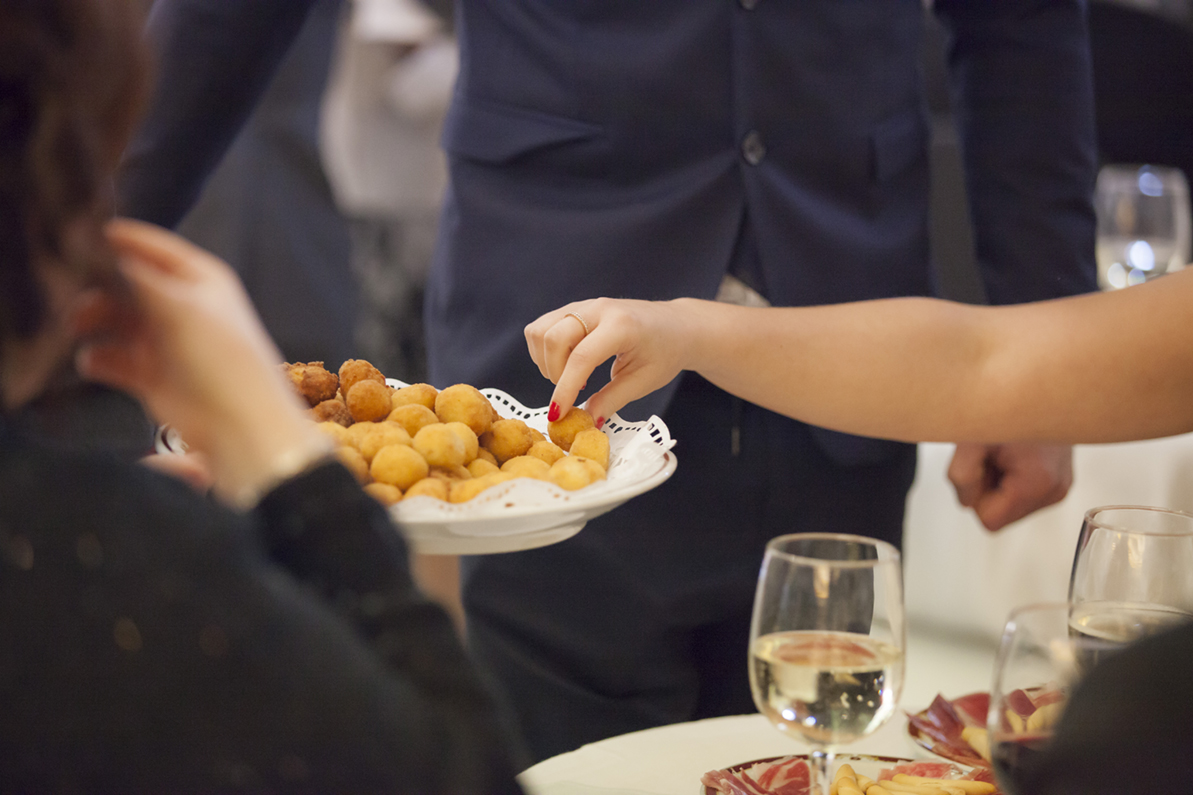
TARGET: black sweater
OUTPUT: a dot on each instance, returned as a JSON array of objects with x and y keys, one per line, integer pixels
[{"x": 153, "y": 641}]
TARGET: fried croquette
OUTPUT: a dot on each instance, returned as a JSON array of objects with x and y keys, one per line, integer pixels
[
  {"x": 368, "y": 401},
  {"x": 398, "y": 465},
  {"x": 572, "y": 472},
  {"x": 471, "y": 443},
  {"x": 451, "y": 473},
  {"x": 354, "y": 371},
  {"x": 564, "y": 429},
  {"x": 312, "y": 381},
  {"x": 507, "y": 439},
  {"x": 593, "y": 445},
  {"x": 337, "y": 432},
  {"x": 440, "y": 445},
  {"x": 435, "y": 488},
  {"x": 384, "y": 493},
  {"x": 525, "y": 466},
  {"x": 481, "y": 467},
  {"x": 547, "y": 451},
  {"x": 485, "y": 455},
  {"x": 415, "y": 394},
  {"x": 413, "y": 417},
  {"x": 537, "y": 435},
  {"x": 357, "y": 432},
  {"x": 465, "y": 403},
  {"x": 382, "y": 434},
  {"x": 465, "y": 490},
  {"x": 351, "y": 458},
  {"x": 332, "y": 410}
]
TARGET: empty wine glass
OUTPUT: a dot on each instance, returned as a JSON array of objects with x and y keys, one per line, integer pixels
[
  {"x": 1143, "y": 223},
  {"x": 1131, "y": 572},
  {"x": 827, "y": 640},
  {"x": 1039, "y": 662}
]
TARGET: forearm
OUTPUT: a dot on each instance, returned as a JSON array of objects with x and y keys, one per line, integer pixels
[
  {"x": 892, "y": 368},
  {"x": 1096, "y": 368}
]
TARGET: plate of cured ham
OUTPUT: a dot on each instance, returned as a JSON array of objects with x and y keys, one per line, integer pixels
[
  {"x": 789, "y": 775},
  {"x": 954, "y": 729}
]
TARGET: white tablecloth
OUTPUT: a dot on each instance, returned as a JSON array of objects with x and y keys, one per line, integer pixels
[
  {"x": 670, "y": 760},
  {"x": 962, "y": 578}
]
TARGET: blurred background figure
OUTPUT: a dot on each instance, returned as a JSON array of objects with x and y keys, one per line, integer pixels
[
  {"x": 389, "y": 89},
  {"x": 268, "y": 209},
  {"x": 390, "y": 84},
  {"x": 1142, "y": 57},
  {"x": 1143, "y": 79}
]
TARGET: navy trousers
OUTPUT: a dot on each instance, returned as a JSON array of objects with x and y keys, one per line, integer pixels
[{"x": 642, "y": 619}]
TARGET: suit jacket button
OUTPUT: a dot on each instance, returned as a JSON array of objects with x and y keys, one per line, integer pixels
[
  {"x": 748, "y": 5},
  {"x": 752, "y": 148}
]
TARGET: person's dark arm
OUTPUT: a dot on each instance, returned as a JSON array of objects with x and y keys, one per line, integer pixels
[
  {"x": 1128, "y": 727},
  {"x": 214, "y": 59},
  {"x": 338, "y": 541},
  {"x": 1022, "y": 87}
]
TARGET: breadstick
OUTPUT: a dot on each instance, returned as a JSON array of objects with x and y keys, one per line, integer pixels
[
  {"x": 846, "y": 775},
  {"x": 1044, "y": 717},
  {"x": 877, "y": 789},
  {"x": 978, "y": 740},
  {"x": 913, "y": 789},
  {"x": 968, "y": 787},
  {"x": 864, "y": 783}
]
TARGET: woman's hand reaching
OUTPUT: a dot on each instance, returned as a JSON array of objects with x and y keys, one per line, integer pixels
[
  {"x": 649, "y": 341},
  {"x": 193, "y": 350}
]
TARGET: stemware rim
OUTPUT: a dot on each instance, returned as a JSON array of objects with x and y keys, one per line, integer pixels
[
  {"x": 1052, "y": 604},
  {"x": 1090, "y": 519},
  {"x": 893, "y": 552}
]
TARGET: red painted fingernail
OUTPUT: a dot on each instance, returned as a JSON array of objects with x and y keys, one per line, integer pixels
[
  {"x": 553, "y": 413},
  {"x": 600, "y": 421}
]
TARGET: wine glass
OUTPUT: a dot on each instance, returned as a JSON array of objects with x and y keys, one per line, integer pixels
[
  {"x": 827, "y": 640},
  {"x": 1143, "y": 223},
  {"x": 1039, "y": 662},
  {"x": 1131, "y": 573}
]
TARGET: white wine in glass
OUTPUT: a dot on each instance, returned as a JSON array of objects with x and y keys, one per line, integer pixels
[
  {"x": 827, "y": 640},
  {"x": 1131, "y": 573}
]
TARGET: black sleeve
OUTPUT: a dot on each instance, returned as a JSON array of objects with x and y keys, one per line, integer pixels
[
  {"x": 339, "y": 542},
  {"x": 1128, "y": 727},
  {"x": 1022, "y": 86},
  {"x": 214, "y": 59}
]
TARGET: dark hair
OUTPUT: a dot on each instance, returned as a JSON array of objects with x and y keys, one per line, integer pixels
[{"x": 72, "y": 78}]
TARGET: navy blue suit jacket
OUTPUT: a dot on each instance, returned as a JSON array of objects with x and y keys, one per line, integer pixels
[{"x": 597, "y": 148}]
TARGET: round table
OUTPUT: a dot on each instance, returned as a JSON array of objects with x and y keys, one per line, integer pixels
[{"x": 670, "y": 760}]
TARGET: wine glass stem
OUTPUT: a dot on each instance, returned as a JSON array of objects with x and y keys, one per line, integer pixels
[{"x": 820, "y": 761}]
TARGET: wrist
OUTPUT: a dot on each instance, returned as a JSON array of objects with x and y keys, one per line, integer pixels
[
  {"x": 266, "y": 455},
  {"x": 693, "y": 325}
]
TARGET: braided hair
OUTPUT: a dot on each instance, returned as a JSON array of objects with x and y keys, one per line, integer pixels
[{"x": 72, "y": 78}]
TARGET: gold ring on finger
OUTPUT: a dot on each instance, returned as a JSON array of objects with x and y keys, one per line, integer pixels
[{"x": 582, "y": 323}]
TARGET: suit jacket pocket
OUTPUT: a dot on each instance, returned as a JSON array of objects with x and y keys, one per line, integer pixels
[
  {"x": 499, "y": 134},
  {"x": 898, "y": 142}
]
